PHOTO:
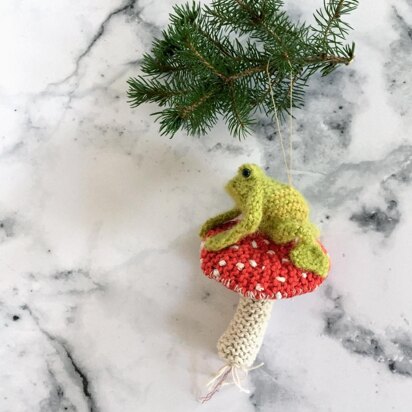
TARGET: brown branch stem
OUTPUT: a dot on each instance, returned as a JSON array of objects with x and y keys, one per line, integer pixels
[
  {"x": 247, "y": 72},
  {"x": 205, "y": 62},
  {"x": 328, "y": 59},
  {"x": 187, "y": 111},
  {"x": 335, "y": 16}
]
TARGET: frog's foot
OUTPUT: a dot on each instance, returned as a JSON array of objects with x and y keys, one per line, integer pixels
[
  {"x": 311, "y": 257},
  {"x": 220, "y": 241}
]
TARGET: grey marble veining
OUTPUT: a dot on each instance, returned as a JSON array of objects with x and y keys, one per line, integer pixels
[{"x": 102, "y": 304}]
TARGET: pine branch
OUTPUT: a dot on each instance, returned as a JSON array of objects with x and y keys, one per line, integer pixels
[{"x": 200, "y": 70}]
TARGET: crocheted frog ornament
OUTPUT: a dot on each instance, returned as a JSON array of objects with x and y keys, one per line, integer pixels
[
  {"x": 270, "y": 253},
  {"x": 273, "y": 208}
]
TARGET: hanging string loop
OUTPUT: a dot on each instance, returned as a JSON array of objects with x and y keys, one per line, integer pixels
[{"x": 287, "y": 160}]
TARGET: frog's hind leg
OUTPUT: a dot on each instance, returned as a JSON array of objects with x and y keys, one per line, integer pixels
[
  {"x": 307, "y": 254},
  {"x": 288, "y": 230}
]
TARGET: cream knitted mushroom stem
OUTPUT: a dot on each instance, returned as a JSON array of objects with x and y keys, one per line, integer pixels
[{"x": 240, "y": 343}]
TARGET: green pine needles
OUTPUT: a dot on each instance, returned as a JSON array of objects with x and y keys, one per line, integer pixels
[{"x": 216, "y": 61}]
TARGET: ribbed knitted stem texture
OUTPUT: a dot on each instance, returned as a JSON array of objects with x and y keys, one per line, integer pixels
[{"x": 240, "y": 343}]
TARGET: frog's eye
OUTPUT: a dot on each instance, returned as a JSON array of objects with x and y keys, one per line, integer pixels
[{"x": 246, "y": 172}]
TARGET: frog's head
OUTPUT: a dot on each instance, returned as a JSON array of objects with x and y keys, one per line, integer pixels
[{"x": 246, "y": 183}]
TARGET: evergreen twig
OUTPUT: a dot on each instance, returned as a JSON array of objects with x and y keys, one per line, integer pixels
[{"x": 212, "y": 61}]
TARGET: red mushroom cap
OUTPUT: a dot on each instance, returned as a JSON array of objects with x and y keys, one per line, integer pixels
[{"x": 257, "y": 268}]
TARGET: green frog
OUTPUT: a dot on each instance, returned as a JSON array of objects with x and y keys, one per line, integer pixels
[{"x": 276, "y": 209}]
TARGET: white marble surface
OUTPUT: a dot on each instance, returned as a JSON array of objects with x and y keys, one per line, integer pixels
[{"x": 102, "y": 305}]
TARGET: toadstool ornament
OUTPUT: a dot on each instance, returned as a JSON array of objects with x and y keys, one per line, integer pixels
[{"x": 272, "y": 252}]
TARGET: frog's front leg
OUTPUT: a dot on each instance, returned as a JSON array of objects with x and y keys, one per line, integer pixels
[
  {"x": 218, "y": 220},
  {"x": 249, "y": 224}
]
